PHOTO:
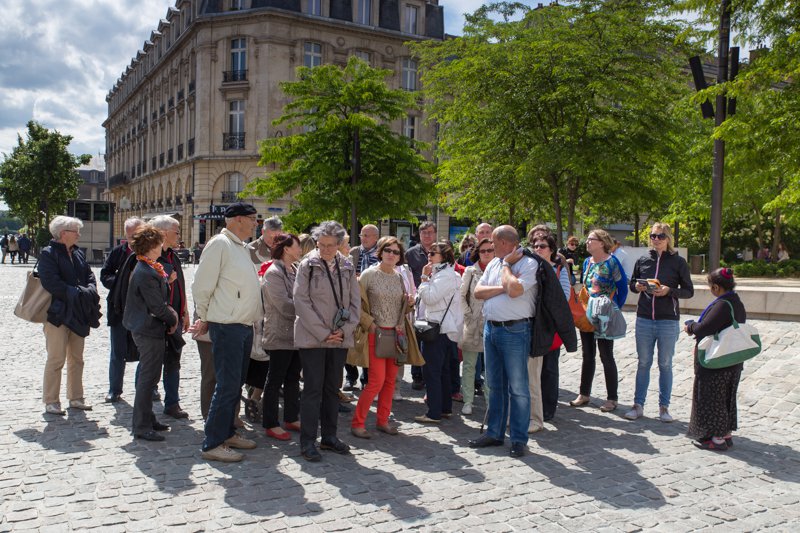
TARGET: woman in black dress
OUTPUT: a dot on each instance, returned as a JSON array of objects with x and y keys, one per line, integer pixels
[{"x": 714, "y": 415}]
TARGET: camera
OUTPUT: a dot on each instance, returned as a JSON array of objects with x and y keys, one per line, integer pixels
[{"x": 341, "y": 318}]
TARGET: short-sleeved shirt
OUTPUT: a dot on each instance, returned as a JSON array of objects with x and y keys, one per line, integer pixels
[{"x": 502, "y": 307}]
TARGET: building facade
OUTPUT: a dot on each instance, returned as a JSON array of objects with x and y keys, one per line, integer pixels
[{"x": 185, "y": 118}]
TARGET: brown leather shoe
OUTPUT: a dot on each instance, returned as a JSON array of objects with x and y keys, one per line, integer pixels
[
  {"x": 175, "y": 411},
  {"x": 361, "y": 433},
  {"x": 388, "y": 429},
  {"x": 345, "y": 398}
]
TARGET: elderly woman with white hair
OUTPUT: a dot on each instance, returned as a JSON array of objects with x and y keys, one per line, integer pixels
[
  {"x": 73, "y": 310},
  {"x": 327, "y": 302}
]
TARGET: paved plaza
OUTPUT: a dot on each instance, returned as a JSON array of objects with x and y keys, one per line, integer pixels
[{"x": 588, "y": 471}]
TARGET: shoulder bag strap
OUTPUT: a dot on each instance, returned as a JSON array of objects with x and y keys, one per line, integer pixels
[{"x": 402, "y": 302}]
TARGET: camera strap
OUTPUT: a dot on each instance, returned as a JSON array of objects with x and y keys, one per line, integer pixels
[{"x": 330, "y": 279}]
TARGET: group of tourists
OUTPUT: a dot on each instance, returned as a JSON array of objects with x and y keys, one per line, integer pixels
[
  {"x": 17, "y": 247},
  {"x": 285, "y": 309}
]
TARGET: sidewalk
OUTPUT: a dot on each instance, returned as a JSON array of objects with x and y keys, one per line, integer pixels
[{"x": 588, "y": 471}]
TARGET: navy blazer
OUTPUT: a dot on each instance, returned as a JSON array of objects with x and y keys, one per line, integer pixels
[
  {"x": 60, "y": 272},
  {"x": 146, "y": 309}
]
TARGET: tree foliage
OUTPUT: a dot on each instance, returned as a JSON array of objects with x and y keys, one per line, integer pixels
[
  {"x": 40, "y": 176},
  {"x": 330, "y": 107},
  {"x": 561, "y": 113}
]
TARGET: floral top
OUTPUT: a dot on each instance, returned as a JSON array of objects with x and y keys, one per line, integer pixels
[
  {"x": 607, "y": 279},
  {"x": 385, "y": 295}
]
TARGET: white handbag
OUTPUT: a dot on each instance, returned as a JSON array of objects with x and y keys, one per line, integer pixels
[
  {"x": 735, "y": 344},
  {"x": 34, "y": 301}
]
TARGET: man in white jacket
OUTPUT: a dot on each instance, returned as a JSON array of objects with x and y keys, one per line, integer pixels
[{"x": 227, "y": 298}]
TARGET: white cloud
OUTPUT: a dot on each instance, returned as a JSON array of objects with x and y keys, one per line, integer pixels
[{"x": 59, "y": 59}]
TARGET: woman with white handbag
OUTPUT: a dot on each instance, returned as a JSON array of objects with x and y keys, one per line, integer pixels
[{"x": 714, "y": 413}]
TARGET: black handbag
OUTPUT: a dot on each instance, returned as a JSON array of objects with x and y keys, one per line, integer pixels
[{"x": 427, "y": 330}]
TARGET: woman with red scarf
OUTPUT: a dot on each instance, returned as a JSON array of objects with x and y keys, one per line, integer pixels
[{"x": 150, "y": 319}]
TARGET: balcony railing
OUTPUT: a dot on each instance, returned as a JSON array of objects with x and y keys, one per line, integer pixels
[
  {"x": 234, "y": 75},
  {"x": 180, "y": 152},
  {"x": 170, "y": 154},
  {"x": 233, "y": 141},
  {"x": 190, "y": 146},
  {"x": 230, "y": 196},
  {"x": 118, "y": 179}
]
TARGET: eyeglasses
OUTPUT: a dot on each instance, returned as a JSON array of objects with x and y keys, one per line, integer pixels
[
  {"x": 659, "y": 236},
  {"x": 592, "y": 239},
  {"x": 76, "y": 232},
  {"x": 486, "y": 251},
  {"x": 431, "y": 254},
  {"x": 541, "y": 246},
  {"x": 392, "y": 251}
]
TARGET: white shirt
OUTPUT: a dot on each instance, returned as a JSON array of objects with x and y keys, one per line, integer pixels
[{"x": 502, "y": 307}]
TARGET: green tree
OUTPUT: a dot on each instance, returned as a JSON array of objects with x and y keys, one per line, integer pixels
[
  {"x": 762, "y": 169},
  {"x": 344, "y": 154},
  {"x": 564, "y": 112},
  {"x": 40, "y": 176}
]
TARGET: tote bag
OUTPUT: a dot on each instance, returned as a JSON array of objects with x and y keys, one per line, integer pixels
[
  {"x": 34, "y": 301},
  {"x": 733, "y": 345}
]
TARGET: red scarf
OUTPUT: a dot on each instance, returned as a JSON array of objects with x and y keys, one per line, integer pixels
[{"x": 155, "y": 265}]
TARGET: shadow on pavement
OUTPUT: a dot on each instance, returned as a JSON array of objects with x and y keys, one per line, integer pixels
[
  {"x": 65, "y": 434},
  {"x": 596, "y": 471},
  {"x": 778, "y": 461}
]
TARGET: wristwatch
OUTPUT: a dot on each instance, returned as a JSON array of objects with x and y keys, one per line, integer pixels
[
  {"x": 424, "y": 277},
  {"x": 506, "y": 264}
]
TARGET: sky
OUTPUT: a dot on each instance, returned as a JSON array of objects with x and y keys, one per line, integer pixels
[{"x": 59, "y": 69}]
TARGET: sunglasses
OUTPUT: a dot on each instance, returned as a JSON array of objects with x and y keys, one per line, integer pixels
[
  {"x": 541, "y": 246},
  {"x": 486, "y": 251},
  {"x": 431, "y": 254},
  {"x": 659, "y": 236},
  {"x": 391, "y": 251}
]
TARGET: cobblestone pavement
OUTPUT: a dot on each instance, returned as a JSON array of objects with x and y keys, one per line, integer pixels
[{"x": 587, "y": 471}]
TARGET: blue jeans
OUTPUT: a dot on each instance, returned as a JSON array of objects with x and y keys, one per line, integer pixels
[
  {"x": 116, "y": 360},
  {"x": 231, "y": 345},
  {"x": 648, "y": 333},
  {"x": 172, "y": 379},
  {"x": 506, "y": 356}
]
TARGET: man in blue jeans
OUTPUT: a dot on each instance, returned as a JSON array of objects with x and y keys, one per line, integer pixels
[
  {"x": 509, "y": 287},
  {"x": 227, "y": 298}
]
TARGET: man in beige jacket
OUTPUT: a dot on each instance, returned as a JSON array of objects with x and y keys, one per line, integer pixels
[{"x": 227, "y": 298}]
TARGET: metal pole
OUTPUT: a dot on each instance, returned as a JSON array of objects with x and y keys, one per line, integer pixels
[{"x": 715, "y": 244}]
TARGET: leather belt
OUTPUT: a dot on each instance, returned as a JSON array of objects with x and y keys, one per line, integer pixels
[{"x": 507, "y": 323}]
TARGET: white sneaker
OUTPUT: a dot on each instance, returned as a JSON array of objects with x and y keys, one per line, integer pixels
[
  {"x": 222, "y": 453},
  {"x": 467, "y": 409},
  {"x": 237, "y": 441},
  {"x": 397, "y": 396},
  {"x": 54, "y": 409},
  {"x": 664, "y": 415},
  {"x": 636, "y": 412},
  {"x": 78, "y": 403}
]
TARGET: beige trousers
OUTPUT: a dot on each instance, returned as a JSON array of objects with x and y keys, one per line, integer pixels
[
  {"x": 62, "y": 345},
  {"x": 535, "y": 388}
]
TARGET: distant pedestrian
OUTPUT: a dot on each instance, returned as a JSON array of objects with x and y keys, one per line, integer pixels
[
  {"x": 4, "y": 246},
  {"x": 783, "y": 253},
  {"x": 24, "y": 248},
  {"x": 13, "y": 248}
]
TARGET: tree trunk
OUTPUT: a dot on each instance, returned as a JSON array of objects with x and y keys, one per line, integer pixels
[
  {"x": 759, "y": 228},
  {"x": 636, "y": 230},
  {"x": 354, "y": 181},
  {"x": 556, "y": 195},
  {"x": 776, "y": 235},
  {"x": 572, "y": 202}
]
